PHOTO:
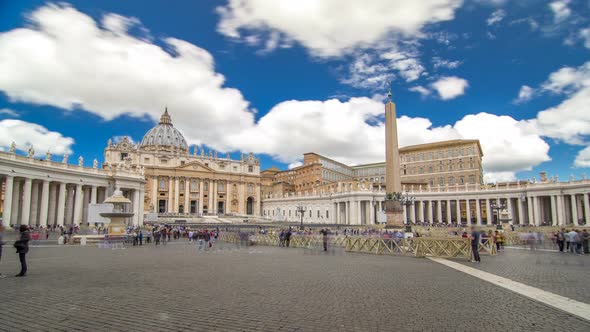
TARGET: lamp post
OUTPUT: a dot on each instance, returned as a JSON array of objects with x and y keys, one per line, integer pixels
[
  {"x": 497, "y": 207},
  {"x": 301, "y": 210},
  {"x": 407, "y": 201}
]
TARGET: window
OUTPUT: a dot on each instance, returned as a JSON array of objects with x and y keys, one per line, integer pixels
[
  {"x": 220, "y": 187},
  {"x": 318, "y": 213},
  {"x": 411, "y": 157},
  {"x": 206, "y": 164},
  {"x": 430, "y": 155},
  {"x": 421, "y": 170},
  {"x": 250, "y": 189},
  {"x": 250, "y": 168},
  {"x": 163, "y": 161},
  {"x": 430, "y": 170},
  {"x": 431, "y": 182},
  {"x": 405, "y": 171},
  {"x": 181, "y": 185},
  {"x": 235, "y": 168},
  {"x": 146, "y": 160},
  {"x": 310, "y": 213},
  {"x": 440, "y": 154},
  {"x": 461, "y": 180},
  {"x": 327, "y": 214},
  {"x": 162, "y": 184},
  {"x": 182, "y": 162},
  {"x": 451, "y": 180},
  {"x": 441, "y": 181},
  {"x": 123, "y": 155},
  {"x": 193, "y": 185},
  {"x": 472, "y": 179},
  {"x": 459, "y": 152},
  {"x": 206, "y": 186}
]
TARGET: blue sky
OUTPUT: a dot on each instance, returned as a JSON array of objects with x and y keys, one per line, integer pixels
[{"x": 281, "y": 78}]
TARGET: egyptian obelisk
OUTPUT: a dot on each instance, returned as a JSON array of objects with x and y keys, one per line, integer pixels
[{"x": 393, "y": 184}]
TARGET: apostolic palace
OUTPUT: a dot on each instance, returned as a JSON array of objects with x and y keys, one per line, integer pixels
[{"x": 441, "y": 181}]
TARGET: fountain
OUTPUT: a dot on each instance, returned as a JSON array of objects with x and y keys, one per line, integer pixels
[{"x": 116, "y": 228}]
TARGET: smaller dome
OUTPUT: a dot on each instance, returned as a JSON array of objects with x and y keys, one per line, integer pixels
[{"x": 164, "y": 135}]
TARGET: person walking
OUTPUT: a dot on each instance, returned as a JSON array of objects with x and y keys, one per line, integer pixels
[
  {"x": 499, "y": 238},
  {"x": 288, "y": 237},
  {"x": 574, "y": 239},
  {"x": 1, "y": 244},
  {"x": 324, "y": 233},
  {"x": 561, "y": 240},
  {"x": 281, "y": 238},
  {"x": 475, "y": 237},
  {"x": 22, "y": 248},
  {"x": 140, "y": 237}
]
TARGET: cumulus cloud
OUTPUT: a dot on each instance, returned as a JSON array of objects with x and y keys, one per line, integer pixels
[
  {"x": 450, "y": 87},
  {"x": 525, "y": 94},
  {"x": 421, "y": 90},
  {"x": 332, "y": 27},
  {"x": 585, "y": 35},
  {"x": 583, "y": 158},
  {"x": 25, "y": 134},
  {"x": 496, "y": 17},
  {"x": 8, "y": 112},
  {"x": 109, "y": 72},
  {"x": 295, "y": 164},
  {"x": 438, "y": 62},
  {"x": 570, "y": 120},
  {"x": 560, "y": 10}
]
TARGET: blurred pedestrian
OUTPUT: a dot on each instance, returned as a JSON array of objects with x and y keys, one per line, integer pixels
[
  {"x": 475, "y": 238},
  {"x": 22, "y": 248},
  {"x": 1, "y": 244}
]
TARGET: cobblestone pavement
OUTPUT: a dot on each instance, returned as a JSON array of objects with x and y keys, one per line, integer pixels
[
  {"x": 175, "y": 288},
  {"x": 562, "y": 274}
]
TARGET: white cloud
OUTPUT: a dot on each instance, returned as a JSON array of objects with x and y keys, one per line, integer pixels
[
  {"x": 295, "y": 164},
  {"x": 583, "y": 158},
  {"x": 560, "y": 10},
  {"x": 494, "y": 177},
  {"x": 332, "y": 27},
  {"x": 496, "y": 17},
  {"x": 450, "y": 87},
  {"x": 8, "y": 112},
  {"x": 585, "y": 35},
  {"x": 421, "y": 90},
  {"x": 570, "y": 120},
  {"x": 525, "y": 94},
  {"x": 438, "y": 62},
  {"x": 25, "y": 134},
  {"x": 109, "y": 72}
]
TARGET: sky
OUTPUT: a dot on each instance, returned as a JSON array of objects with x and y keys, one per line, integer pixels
[{"x": 282, "y": 78}]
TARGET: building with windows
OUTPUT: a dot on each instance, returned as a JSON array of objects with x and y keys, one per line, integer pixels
[{"x": 181, "y": 183}]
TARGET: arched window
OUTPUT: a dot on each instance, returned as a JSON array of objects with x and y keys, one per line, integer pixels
[{"x": 162, "y": 184}]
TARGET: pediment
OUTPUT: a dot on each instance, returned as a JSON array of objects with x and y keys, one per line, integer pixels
[{"x": 196, "y": 166}]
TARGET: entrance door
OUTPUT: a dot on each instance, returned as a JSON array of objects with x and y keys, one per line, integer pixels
[
  {"x": 193, "y": 207},
  {"x": 250, "y": 206},
  {"x": 162, "y": 206},
  {"x": 220, "y": 207}
]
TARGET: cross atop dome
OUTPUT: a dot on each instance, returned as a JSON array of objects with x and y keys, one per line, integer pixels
[{"x": 165, "y": 118}]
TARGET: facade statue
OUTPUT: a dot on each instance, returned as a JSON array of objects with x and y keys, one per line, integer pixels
[
  {"x": 12, "y": 148},
  {"x": 110, "y": 143},
  {"x": 95, "y": 163},
  {"x": 65, "y": 159},
  {"x": 48, "y": 155},
  {"x": 228, "y": 156},
  {"x": 202, "y": 152},
  {"x": 584, "y": 176},
  {"x": 31, "y": 152},
  {"x": 195, "y": 151},
  {"x": 571, "y": 177},
  {"x": 80, "y": 161},
  {"x": 216, "y": 154}
]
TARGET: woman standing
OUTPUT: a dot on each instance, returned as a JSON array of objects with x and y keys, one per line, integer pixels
[{"x": 22, "y": 248}]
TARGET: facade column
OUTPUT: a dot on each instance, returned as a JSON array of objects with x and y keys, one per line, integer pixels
[
  {"x": 211, "y": 207},
  {"x": 586, "y": 209},
  {"x": 187, "y": 196},
  {"x": 201, "y": 196},
  {"x": 8, "y": 192},
  {"x": 170, "y": 206},
  {"x": 468, "y": 212},
  {"x": 449, "y": 212},
  {"x": 510, "y": 211},
  {"x": 553, "y": 199},
  {"x": 489, "y": 215},
  {"x": 228, "y": 198},
  {"x": 78, "y": 205},
  {"x": 61, "y": 204},
  {"x": 154, "y": 192},
  {"x": 574, "y": 209},
  {"x": 26, "y": 209},
  {"x": 44, "y": 204},
  {"x": 215, "y": 191},
  {"x": 439, "y": 211},
  {"x": 531, "y": 217},
  {"x": 458, "y": 216},
  {"x": 241, "y": 198},
  {"x": 478, "y": 211},
  {"x": 135, "y": 207},
  {"x": 176, "y": 195},
  {"x": 93, "y": 195}
]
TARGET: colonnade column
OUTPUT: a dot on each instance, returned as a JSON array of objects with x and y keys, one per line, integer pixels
[
  {"x": 439, "y": 211},
  {"x": 478, "y": 211},
  {"x": 586, "y": 208},
  {"x": 405, "y": 213},
  {"x": 16, "y": 199},
  {"x": 359, "y": 215},
  {"x": 34, "y": 204},
  {"x": 510, "y": 211},
  {"x": 489, "y": 215},
  {"x": 458, "y": 207},
  {"x": 44, "y": 204},
  {"x": 335, "y": 207},
  {"x": 61, "y": 204},
  {"x": 372, "y": 213},
  {"x": 537, "y": 210},
  {"x": 521, "y": 220},
  {"x": 429, "y": 212},
  {"x": 347, "y": 212},
  {"x": 78, "y": 205},
  {"x": 93, "y": 195},
  {"x": 574, "y": 209},
  {"x": 560, "y": 211},
  {"x": 468, "y": 212},
  {"x": 413, "y": 212},
  {"x": 53, "y": 193},
  {"x": 421, "y": 211},
  {"x": 553, "y": 199},
  {"x": 530, "y": 210},
  {"x": 449, "y": 212},
  {"x": 8, "y": 191},
  {"x": 26, "y": 208}
]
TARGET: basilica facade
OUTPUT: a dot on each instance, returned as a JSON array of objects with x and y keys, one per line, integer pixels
[{"x": 181, "y": 183}]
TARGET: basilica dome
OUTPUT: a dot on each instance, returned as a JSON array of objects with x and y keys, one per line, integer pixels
[{"x": 164, "y": 135}]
